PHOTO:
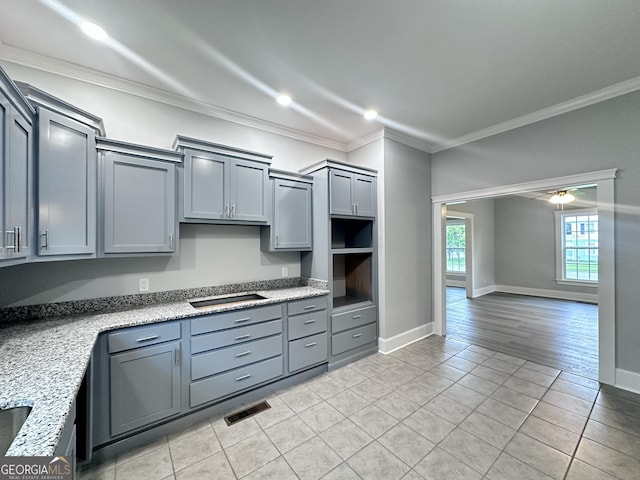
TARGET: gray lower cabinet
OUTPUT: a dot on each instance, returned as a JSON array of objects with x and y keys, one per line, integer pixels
[
  {"x": 16, "y": 175},
  {"x": 67, "y": 182},
  {"x": 221, "y": 184},
  {"x": 137, "y": 199},
  {"x": 352, "y": 194},
  {"x": 144, "y": 386},
  {"x": 291, "y": 216},
  {"x": 307, "y": 323}
]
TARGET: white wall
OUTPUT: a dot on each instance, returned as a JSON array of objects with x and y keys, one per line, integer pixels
[
  {"x": 209, "y": 255},
  {"x": 602, "y": 136}
]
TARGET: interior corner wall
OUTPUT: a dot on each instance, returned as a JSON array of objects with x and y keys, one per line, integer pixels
[
  {"x": 209, "y": 254},
  {"x": 484, "y": 242},
  {"x": 407, "y": 232},
  {"x": 602, "y": 136}
]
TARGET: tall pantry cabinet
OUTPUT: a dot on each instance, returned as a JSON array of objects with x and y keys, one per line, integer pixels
[{"x": 345, "y": 254}]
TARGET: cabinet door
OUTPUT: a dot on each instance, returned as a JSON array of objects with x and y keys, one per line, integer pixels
[
  {"x": 145, "y": 386},
  {"x": 206, "y": 186},
  {"x": 18, "y": 173},
  {"x": 340, "y": 197},
  {"x": 291, "y": 215},
  {"x": 139, "y": 205},
  {"x": 67, "y": 179},
  {"x": 5, "y": 112},
  {"x": 364, "y": 195},
  {"x": 248, "y": 191}
]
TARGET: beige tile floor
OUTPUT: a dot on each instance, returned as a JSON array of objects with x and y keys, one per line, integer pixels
[{"x": 437, "y": 409}]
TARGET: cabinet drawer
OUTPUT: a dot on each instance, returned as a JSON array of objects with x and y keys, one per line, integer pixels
[
  {"x": 307, "y": 305},
  {"x": 237, "y": 318},
  {"x": 307, "y": 324},
  {"x": 227, "y": 383},
  {"x": 216, "y": 361},
  {"x": 143, "y": 336},
  {"x": 307, "y": 351},
  {"x": 354, "y": 318},
  {"x": 226, "y": 338},
  {"x": 353, "y": 338}
]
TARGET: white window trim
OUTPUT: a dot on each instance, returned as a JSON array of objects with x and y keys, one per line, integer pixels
[
  {"x": 560, "y": 243},
  {"x": 452, "y": 220}
]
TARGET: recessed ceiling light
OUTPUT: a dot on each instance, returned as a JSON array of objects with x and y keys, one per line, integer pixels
[
  {"x": 94, "y": 31},
  {"x": 284, "y": 99},
  {"x": 370, "y": 114}
]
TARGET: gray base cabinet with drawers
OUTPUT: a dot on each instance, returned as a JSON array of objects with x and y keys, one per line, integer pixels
[{"x": 153, "y": 374}]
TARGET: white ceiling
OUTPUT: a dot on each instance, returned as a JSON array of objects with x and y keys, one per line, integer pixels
[{"x": 434, "y": 69}]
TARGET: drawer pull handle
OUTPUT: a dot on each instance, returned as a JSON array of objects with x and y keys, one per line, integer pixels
[
  {"x": 357, "y": 335},
  {"x": 242, "y": 354},
  {"x": 242, "y": 337},
  {"x": 146, "y": 339},
  {"x": 309, "y": 307},
  {"x": 357, "y": 316},
  {"x": 245, "y": 319},
  {"x": 312, "y": 344},
  {"x": 244, "y": 377},
  {"x": 312, "y": 320}
]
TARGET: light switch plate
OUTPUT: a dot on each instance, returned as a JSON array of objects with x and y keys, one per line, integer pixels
[{"x": 143, "y": 285}]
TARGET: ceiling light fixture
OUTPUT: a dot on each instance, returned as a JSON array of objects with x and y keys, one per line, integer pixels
[
  {"x": 284, "y": 99},
  {"x": 370, "y": 114},
  {"x": 561, "y": 197},
  {"x": 94, "y": 31}
]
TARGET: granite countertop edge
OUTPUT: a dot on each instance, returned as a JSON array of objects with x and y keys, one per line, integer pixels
[{"x": 43, "y": 362}]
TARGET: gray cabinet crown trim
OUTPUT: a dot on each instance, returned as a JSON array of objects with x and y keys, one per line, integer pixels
[
  {"x": 182, "y": 143},
  {"x": 286, "y": 175},
  {"x": 107, "y": 144},
  {"x": 330, "y": 163},
  {"x": 38, "y": 98},
  {"x": 15, "y": 96}
]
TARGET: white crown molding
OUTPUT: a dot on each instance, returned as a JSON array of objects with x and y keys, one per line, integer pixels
[
  {"x": 408, "y": 140},
  {"x": 365, "y": 139},
  {"x": 518, "y": 188},
  {"x": 76, "y": 72},
  {"x": 582, "y": 101}
]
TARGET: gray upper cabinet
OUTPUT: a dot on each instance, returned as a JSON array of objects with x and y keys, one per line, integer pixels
[
  {"x": 67, "y": 177},
  {"x": 291, "y": 215},
  {"x": 220, "y": 184},
  {"x": 16, "y": 174},
  {"x": 352, "y": 194},
  {"x": 137, "y": 208}
]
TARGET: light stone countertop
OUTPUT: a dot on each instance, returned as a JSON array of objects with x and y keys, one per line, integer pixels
[{"x": 42, "y": 363}]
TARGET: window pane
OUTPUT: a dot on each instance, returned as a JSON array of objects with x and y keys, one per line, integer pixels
[
  {"x": 580, "y": 247},
  {"x": 455, "y": 249}
]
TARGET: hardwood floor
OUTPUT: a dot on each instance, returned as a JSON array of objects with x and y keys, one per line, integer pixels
[{"x": 558, "y": 333}]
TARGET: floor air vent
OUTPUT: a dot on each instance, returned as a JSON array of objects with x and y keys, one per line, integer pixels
[{"x": 246, "y": 413}]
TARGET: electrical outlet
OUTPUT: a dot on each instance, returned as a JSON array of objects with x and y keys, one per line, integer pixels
[
  {"x": 285, "y": 272},
  {"x": 143, "y": 285}
]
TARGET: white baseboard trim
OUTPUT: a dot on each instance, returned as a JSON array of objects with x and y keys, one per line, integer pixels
[
  {"x": 388, "y": 345},
  {"x": 541, "y": 292},
  {"x": 478, "y": 292},
  {"x": 628, "y": 380},
  {"x": 456, "y": 283}
]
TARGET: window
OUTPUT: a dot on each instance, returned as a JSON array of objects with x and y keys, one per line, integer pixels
[
  {"x": 456, "y": 257},
  {"x": 577, "y": 246}
]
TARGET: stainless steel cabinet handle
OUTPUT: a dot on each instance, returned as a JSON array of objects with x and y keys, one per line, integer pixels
[
  {"x": 311, "y": 320},
  {"x": 240, "y": 320},
  {"x": 19, "y": 230},
  {"x": 243, "y": 377},
  {"x": 353, "y": 208},
  {"x": 356, "y": 208},
  {"x": 233, "y": 210},
  {"x": 242, "y": 337},
  {"x": 276, "y": 240},
  {"x": 146, "y": 339},
  {"x": 242, "y": 354},
  {"x": 45, "y": 234},
  {"x": 357, "y": 335},
  {"x": 11, "y": 244},
  {"x": 171, "y": 241},
  {"x": 226, "y": 210},
  {"x": 309, "y": 307},
  {"x": 357, "y": 316},
  {"x": 177, "y": 356},
  {"x": 312, "y": 344}
]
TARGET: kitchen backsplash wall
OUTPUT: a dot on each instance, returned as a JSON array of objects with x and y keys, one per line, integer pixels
[{"x": 209, "y": 255}]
